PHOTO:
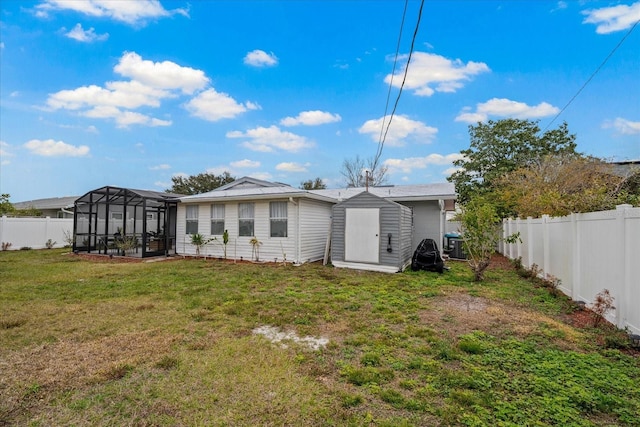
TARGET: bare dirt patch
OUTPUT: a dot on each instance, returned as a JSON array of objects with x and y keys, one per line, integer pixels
[{"x": 459, "y": 313}]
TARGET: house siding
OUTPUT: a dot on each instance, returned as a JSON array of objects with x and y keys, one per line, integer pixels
[
  {"x": 307, "y": 228},
  {"x": 426, "y": 222},
  {"x": 315, "y": 226}
]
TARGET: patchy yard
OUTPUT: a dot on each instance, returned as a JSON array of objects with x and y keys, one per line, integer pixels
[{"x": 195, "y": 342}]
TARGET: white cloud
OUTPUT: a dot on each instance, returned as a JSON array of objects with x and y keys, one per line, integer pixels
[
  {"x": 161, "y": 75},
  {"x": 124, "y": 119},
  {"x": 163, "y": 166},
  {"x": 429, "y": 73},
  {"x": 291, "y": 167},
  {"x": 401, "y": 129},
  {"x": 151, "y": 82},
  {"x": 245, "y": 163},
  {"x": 51, "y": 148},
  {"x": 623, "y": 126},
  {"x": 129, "y": 95},
  {"x": 213, "y": 106},
  {"x": 260, "y": 58},
  {"x": 136, "y": 12},
  {"x": 409, "y": 164},
  {"x": 612, "y": 19},
  {"x": 501, "y": 107},
  {"x": 311, "y": 118},
  {"x": 4, "y": 152},
  {"x": 86, "y": 36},
  {"x": 269, "y": 139}
]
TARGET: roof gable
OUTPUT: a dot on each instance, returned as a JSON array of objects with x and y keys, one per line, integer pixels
[{"x": 248, "y": 182}]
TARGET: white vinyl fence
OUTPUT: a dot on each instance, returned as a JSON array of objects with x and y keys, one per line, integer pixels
[
  {"x": 34, "y": 232},
  {"x": 588, "y": 252}
]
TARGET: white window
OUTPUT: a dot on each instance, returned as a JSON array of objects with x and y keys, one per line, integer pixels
[
  {"x": 151, "y": 216},
  {"x": 278, "y": 219},
  {"x": 217, "y": 219},
  {"x": 116, "y": 215},
  {"x": 245, "y": 219},
  {"x": 192, "y": 219}
]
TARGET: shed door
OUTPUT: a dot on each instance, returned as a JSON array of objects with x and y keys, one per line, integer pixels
[{"x": 361, "y": 236}]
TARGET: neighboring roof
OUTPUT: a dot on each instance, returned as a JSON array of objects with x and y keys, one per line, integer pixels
[
  {"x": 399, "y": 193},
  {"x": 251, "y": 189},
  {"x": 47, "y": 204}
]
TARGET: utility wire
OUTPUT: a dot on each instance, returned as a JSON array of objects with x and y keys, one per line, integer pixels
[
  {"x": 393, "y": 71},
  {"x": 592, "y": 75},
  {"x": 404, "y": 79}
]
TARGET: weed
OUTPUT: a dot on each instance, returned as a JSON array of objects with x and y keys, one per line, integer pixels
[
  {"x": 370, "y": 359},
  {"x": 50, "y": 244},
  {"x": 350, "y": 400},
  {"x": 6, "y": 246},
  {"x": 12, "y": 323},
  {"x": 602, "y": 304},
  {"x": 167, "y": 363},
  {"x": 117, "y": 371}
]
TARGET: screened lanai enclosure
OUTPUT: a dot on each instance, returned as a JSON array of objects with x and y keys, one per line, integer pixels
[{"x": 125, "y": 222}]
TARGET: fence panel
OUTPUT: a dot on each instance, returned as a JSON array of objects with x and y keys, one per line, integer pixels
[
  {"x": 34, "y": 232},
  {"x": 589, "y": 253},
  {"x": 560, "y": 260}
]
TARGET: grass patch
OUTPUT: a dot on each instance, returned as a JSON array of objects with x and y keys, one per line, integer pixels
[{"x": 173, "y": 343}]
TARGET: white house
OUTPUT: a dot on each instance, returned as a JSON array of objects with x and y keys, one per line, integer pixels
[{"x": 287, "y": 223}]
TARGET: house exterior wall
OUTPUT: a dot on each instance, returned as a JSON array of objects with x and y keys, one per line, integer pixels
[
  {"x": 395, "y": 219},
  {"x": 307, "y": 228},
  {"x": 315, "y": 223},
  {"x": 426, "y": 221}
]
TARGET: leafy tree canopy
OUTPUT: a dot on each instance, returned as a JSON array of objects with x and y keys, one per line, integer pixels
[
  {"x": 313, "y": 184},
  {"x": 201, "y": 183},
  {"x": 355, "y": 172},
  {"x": 5, "y": 205},
  {"x": 499, "y": 147},
  {"x": 558, "y": 185}
]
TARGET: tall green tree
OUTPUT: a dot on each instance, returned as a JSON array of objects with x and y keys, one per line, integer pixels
[
  {"x": 499, "y": 147},
  {"x": 201, "y": 183},
  {"x": 313, "y": 184}
]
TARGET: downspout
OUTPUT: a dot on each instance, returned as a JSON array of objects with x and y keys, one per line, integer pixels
[
  {"x": 298, "y": 237},
  {"x": 443, "y": 218}
]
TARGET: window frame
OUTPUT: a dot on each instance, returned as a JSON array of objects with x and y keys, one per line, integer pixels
[
  {"x": 191, "y": 221},
  {"x": 246, "y": 221},
  {"x": 274, "y": 219},
  {"x": 216, "y": 210}
]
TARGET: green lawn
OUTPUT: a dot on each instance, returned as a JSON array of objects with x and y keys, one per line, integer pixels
[{"x": 85, "y": 342}]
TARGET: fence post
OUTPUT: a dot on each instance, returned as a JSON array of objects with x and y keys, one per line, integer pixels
[
  {"x": 577, "y": 255},
  {"x": 545, "y": 245},
  {"x": 529, "y": 242},
  {"x": 623, "y": 304},
  {"x": 3, "y": 223}
]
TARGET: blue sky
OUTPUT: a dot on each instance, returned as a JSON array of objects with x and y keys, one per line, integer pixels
[{"x": 131, "y": 93}]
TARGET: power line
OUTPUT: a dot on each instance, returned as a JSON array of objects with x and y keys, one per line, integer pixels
[
  {"x": 393, "y": 71},
  {"x": 592, "y": 75},
  {"x": 404, "y": 79}
]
